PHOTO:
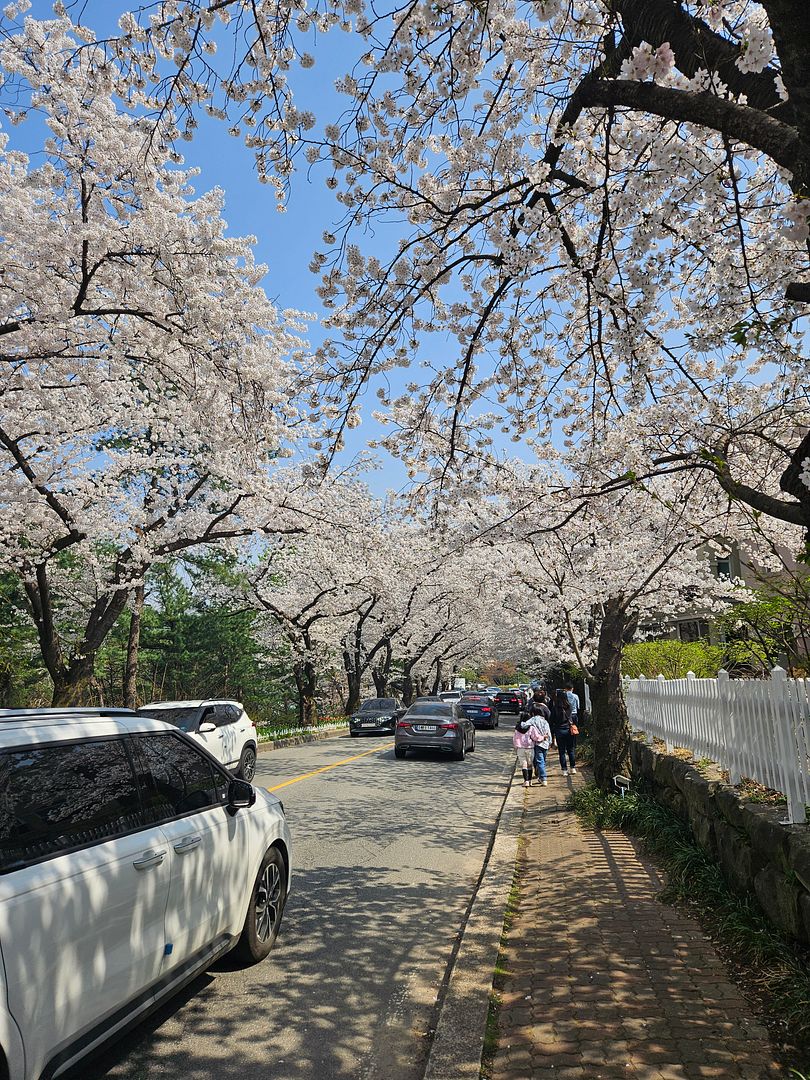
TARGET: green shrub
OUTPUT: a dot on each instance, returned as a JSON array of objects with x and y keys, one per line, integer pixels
[{"x": 672, "y": 659}]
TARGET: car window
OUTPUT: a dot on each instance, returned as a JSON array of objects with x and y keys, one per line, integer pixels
[
  {"x": 176, "y": 778},
  {"x": 377, "y": 704},
  {"x": 58, "y": 798},
  {"x": 430, "y": 708},
  {"x": 185, "y": 717},
  {"x": 234, "y": 714},
  {"x": 220, "y": 715}
]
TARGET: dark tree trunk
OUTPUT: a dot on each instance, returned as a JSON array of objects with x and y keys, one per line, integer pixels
[
  {"x": 353, "y": 676},
  {"x": 408, "y": 688},
  {"x": 609, "y": 728},
  {"x": 75, "y": 685},
  {"x": 306, "y": 682},
  {"x": 437, "y": 681},
  {"x": 381, "y": 672},
  {"x": 133, "y": 647}
]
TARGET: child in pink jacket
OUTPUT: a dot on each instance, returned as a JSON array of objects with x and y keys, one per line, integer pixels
[{"x": 524, "y": 738}]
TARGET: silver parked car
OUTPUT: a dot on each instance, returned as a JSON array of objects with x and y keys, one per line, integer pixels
[{"x": 434, "y": 725}]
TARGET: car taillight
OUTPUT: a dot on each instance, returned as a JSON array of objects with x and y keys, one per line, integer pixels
[
  {"x": 486, "y": 708},
  {"x": 403, "y": 723},
  {"x": 450, "y": 727}
]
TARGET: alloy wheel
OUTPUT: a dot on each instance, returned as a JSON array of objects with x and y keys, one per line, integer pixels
[
  {"x": 248, "y": 764},
  {"x": 268, "y": 901}
]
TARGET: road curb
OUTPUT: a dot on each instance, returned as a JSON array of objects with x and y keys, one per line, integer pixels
[
  {"x": 302, "y": 740},
  {"x": 458, "y": 1040}
]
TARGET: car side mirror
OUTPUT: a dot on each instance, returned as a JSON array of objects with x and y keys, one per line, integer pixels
[
  {"x": 240, "y": 795},
  {"x": 206, "y": 726}
]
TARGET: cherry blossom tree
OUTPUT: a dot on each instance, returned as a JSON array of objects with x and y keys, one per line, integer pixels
[
  {"x": 606, "y": 205},
  {"x": 148, "y": 383},
  {"x": 595, "y": 577}
]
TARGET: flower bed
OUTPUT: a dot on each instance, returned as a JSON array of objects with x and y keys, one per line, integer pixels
[{"x": 268, "y": 732}]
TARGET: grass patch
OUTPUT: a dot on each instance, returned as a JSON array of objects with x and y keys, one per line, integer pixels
[
  {"x": 768, "y": 965},
  {"x": 492, "y": 1030}
]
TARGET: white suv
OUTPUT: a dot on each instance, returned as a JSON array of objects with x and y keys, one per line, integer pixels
[
  {"x": 222, "y": 727},
  {"x": 129, "y": 860}
]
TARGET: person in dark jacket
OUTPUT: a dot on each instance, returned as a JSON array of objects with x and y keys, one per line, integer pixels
[{"x": 562, "y": 720}]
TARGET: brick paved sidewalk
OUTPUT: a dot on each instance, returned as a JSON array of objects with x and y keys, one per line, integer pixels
[{"x": 604, "y": 980}]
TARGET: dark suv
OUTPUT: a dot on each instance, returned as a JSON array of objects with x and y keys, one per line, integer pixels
[
  {"x": 510, "y": 700},
  {"x": 376, "y": 716}
]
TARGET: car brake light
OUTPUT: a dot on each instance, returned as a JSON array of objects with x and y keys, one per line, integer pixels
[
  {"x": 403, "y": 723},
  {"x": 450, "y": 727},
  {"x": 486, "y": 708}
]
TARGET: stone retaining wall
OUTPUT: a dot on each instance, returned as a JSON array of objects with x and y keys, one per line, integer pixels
[{"x": 755, "y": 852}]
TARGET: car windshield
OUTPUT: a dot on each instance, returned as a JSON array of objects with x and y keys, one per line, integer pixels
[
  {"x": 376, "y": 704},
  {"x": 430, "y": 708},
  {"x": 183, "y": 718}
]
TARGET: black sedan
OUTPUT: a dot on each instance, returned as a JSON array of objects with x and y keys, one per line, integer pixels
[
  {"x": 434, "y": 725},
  {"x": 481, "y": 709},
  {"x": 376, "y": 716},
  {"x": 510, "y": 701}
]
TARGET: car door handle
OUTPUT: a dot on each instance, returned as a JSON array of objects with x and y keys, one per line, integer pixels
[
  {"x": 189, "y": 843},
  {"x": 149, "y": 858}
]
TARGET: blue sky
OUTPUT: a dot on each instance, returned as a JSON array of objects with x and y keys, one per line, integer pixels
[{"x": 285, "y": 241}]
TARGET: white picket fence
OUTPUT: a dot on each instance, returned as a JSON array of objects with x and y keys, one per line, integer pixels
[{"x": 758, "y": 728}]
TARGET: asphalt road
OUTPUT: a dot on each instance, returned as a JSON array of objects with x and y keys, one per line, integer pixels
[{"x": 386, "y": 857}]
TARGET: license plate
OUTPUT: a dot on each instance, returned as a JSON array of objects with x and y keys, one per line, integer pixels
[
  {"x": 368, "y": 723},
  {"x": 424, "y": 727}
]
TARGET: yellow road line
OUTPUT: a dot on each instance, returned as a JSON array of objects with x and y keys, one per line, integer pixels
[{"x": 326, "y": 768}]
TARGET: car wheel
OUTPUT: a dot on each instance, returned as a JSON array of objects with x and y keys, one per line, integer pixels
[
  {"x": 400, "y": 752},
  {"x": 354, "y": 734},
  {"x": 264, "y": 910},
  {"x": 472, "y": 744},
  {"x": 462, "y": 753},
  {"x": 247, "y": 765}
]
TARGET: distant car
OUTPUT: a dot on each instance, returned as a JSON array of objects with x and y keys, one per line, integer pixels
[
  {"x": 434, "y": 725},
  {"x": 451, "y": 695},
  {"x": 130, "y": 861},
  {"x": 510, "y": 701},
  {"x": 221, "y": 726},
  {"x": 492, "y": 690},
  {"x": 376, "y": 716},
  {"x": 481, "y": 709}
]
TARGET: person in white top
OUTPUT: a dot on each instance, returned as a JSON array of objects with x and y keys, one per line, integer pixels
[{"x": 539, "y": 720}]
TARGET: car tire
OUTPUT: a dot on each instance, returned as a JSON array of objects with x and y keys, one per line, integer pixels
[
  {"x": 354, "y": 734},
  {"x": 247, "y": 764},
  {"x": 472, "y": 744},
  {"x": 400, "y": 752},
  {"x": 462, "y": 753},
  {"x": 266, "y": 906}
]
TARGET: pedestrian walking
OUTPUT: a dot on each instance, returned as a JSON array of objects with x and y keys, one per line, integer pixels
[
  {"x": 563, "y": 721},
  {"x": 573, "y": 700},
  {"x": 524, "y": 738},
  {"x": 539, "y": 717}
]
